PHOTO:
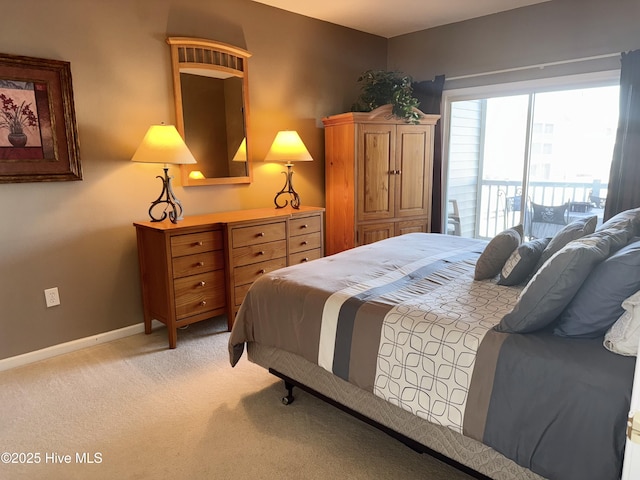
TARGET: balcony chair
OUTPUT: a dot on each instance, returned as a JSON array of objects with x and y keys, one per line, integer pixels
[
  {"x": 545, "y": 220},
  {"x": 595, "y": 197},
  {"x": 453, "y": 219},
  {"x": 512, "y": 206}
]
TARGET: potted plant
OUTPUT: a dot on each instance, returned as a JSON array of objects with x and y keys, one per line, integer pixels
[
  {"x": 15, "y": 118},
  {"x": 379, "y": 87}
]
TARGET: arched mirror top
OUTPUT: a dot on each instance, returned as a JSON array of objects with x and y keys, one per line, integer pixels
[{"x": 211, "y": 93}]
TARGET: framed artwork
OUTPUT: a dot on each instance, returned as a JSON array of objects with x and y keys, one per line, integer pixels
[{"x": 38, "y": 133}]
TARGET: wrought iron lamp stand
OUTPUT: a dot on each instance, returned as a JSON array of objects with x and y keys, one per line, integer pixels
[
  {"x": 173, "y": 204},
  {"x": 288, "y": 189}
]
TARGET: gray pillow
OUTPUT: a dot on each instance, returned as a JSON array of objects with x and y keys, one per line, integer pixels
[
  {"x": 521, "y": 264},
  {"x": 555, "y": 284},
  {"x": 627, "y": 220},
  {"x": 574, "y": 230},
  {"x": 497, "y": 251},
  {"x": 598, "y": 303}
]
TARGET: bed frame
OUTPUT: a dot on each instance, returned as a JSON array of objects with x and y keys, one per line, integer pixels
[{"x": 466, "y": 454}]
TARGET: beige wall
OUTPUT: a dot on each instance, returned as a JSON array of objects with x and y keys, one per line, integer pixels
[
  {"x": 554, "y": 31},
  {"x": 78, "y": 236}
]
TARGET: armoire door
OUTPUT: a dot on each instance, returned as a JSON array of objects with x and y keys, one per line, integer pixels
[
  {"x": 375, "y": 168},
  {"x": 413, "y": 170}
]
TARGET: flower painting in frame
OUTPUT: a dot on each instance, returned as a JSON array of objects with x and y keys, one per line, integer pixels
[{"x": 38, "y": 133}]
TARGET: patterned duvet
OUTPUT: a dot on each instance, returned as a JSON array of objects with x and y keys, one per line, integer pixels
[{"x": 404, "y": 319}]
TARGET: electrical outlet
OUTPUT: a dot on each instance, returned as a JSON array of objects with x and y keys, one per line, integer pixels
[{"x": 52, "y": 297}]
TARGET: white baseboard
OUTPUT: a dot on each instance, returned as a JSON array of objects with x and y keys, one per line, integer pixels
[{"x": 55, "y": 350}]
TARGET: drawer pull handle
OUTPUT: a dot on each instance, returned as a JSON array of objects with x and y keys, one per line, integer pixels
[
  {"x": 262, "y": 272},
  {"x": 198, "y": 244},
  {"x": 305, "y": 259},
  {"x": 261, "y": 234},
  {"x": 203, "y": 303},
  {"x": 200, "y": 264},
  {"x": 202, "y": 284},
  {"x": 305, "y": 226},
  {"x": 261, "y": 252},
  {"x": 305, "y": 243}
]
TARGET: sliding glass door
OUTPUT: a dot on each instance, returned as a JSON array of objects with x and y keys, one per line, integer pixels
[{"x": 505, "y": 153}]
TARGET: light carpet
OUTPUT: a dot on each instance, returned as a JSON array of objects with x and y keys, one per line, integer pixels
[{"x": 134, "y": 409}]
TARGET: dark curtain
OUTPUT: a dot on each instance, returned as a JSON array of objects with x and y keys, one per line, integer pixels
[
  {"x": 429, "y": 94},
  {"x": 624, "y": 179}
]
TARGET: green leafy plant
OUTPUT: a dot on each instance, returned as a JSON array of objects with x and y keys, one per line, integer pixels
[{"x": 379, "y": 87}]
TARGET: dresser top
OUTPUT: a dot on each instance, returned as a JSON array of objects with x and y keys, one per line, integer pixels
[{"x": 229, "y": 217}]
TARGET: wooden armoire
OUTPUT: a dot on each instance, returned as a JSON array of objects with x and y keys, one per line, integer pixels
[{"x": 378, "y": 177}]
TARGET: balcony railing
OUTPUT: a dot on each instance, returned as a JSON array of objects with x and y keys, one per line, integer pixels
[{"x": 500, "y": 204}]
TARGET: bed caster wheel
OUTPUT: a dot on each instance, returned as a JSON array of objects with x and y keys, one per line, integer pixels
[{"x": 288, "y": 400}]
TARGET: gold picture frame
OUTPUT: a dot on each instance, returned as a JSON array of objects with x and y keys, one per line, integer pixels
[{"x": 38, "y": 132}]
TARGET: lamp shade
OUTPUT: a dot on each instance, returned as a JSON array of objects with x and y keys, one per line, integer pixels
[
  {"x": 241, "y": 153},
  {"x": 288, "y": 147},
  {"x": 163, "y": 144}
]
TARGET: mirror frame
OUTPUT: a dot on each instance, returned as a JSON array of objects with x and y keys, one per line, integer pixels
[{"x": 201, "y": 54}]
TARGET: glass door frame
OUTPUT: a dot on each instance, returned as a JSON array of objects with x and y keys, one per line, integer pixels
[{"x": 529, "y": 87}]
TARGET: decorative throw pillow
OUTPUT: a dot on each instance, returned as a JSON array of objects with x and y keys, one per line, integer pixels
[
  {"x": 623, "y": 336},
  {"x": 497, "y": 252},
  {"x": 521, "y": 264},
  {"x": 627, "y": 220},
  {"x": 598, "y": 303},
  {"x": 554, "y": 285},
  {"x": 574, "y": 230}
]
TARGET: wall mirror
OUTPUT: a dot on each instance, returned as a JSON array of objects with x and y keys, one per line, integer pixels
[{"x": 211, "y": 93}]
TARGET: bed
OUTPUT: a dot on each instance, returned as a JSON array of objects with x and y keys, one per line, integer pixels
[{"x": 481, "y": 369}]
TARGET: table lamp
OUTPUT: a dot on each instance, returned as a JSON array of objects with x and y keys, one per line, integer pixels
[
  {"x": 288, "y": 147},
  {"x": 163, "y": 144}
]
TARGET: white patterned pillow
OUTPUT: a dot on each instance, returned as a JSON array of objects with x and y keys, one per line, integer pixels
[{"x": 623, "y": 336}]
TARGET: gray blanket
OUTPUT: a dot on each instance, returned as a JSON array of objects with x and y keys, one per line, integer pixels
[{"x": 404, "y": 319}]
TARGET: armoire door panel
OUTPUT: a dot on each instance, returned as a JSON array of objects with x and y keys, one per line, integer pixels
[
  {"x": 376, "y": 188},
  {"x": 414, "y": 163},
  {"x": 413, "y": 226},
  {"x": 373, "y": 232}
]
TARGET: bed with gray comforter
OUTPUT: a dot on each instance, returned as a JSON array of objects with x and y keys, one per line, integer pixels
[{"x": 407, "y": 324}]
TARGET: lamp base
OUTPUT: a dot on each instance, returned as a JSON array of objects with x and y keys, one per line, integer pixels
[
  {"x": 288, "y": 189},
  {"x": 173, "y": 205}
]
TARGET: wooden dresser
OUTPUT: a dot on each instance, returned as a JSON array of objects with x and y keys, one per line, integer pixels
[{"x": 203, "y": 265}]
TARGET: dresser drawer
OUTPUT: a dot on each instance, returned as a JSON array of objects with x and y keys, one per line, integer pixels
[
  {"x": 306, "y": 256},
  {"x": 239, "y": 293},
  {"x": 250, "y": 273},
  {"x": 252, "y": 235},
  {"x": 198, "y": 263},
  {"x": 199, "y": 293},
  {"x": 304, "y": 242},
  {"x": 259, "y": 252},
  {"x": 300, "y": 226},
  {"x": 191, "y": 243}
]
